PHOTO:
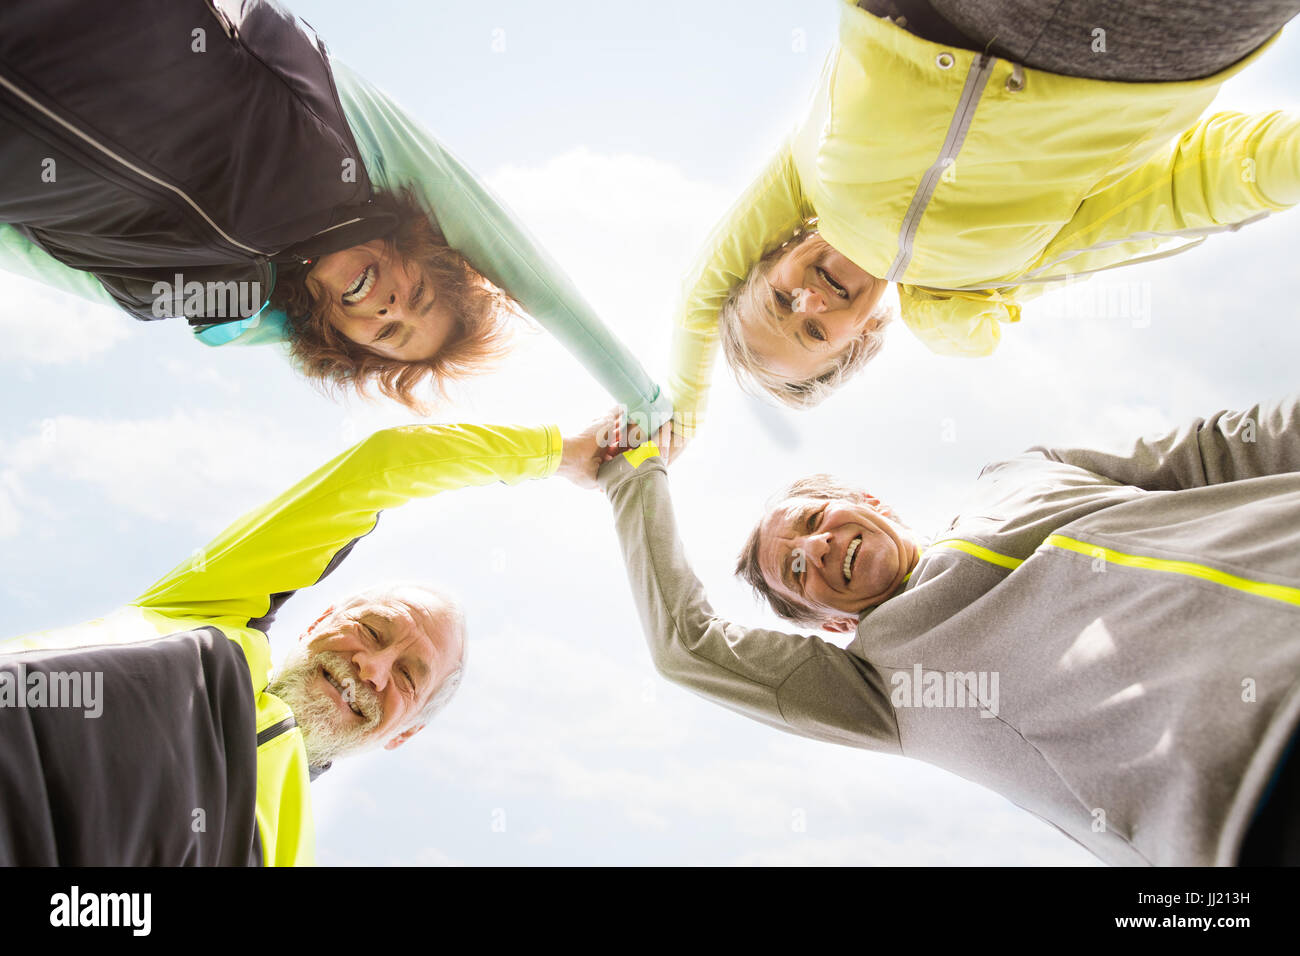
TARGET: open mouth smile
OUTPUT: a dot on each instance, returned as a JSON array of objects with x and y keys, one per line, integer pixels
[
  {"x": 361, "y": 285},
  {"x": 346, "y": 690},
  {"x": 849, "y": 557},
  {"x": 834, "y": 286}
]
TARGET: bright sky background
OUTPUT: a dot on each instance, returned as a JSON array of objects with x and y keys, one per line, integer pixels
[{"x": 619, "y": 133}]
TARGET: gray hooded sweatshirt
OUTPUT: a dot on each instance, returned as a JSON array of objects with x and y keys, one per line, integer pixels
[{"x": 1110, "y": 640}]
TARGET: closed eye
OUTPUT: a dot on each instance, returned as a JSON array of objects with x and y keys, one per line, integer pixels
[
  {"x": 814, "y": 331},
  {"x": 387, "y": 332},
  {"x": 815, "y": 518}
]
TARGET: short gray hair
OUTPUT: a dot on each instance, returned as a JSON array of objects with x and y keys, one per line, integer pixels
[
  {"x": 456, "y": 615},
  {"x": 822, "y": 487},
  {"x": 755, "y": 295}
]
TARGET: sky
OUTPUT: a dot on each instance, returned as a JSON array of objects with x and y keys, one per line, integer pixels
[{"x": 619, "y": 134}]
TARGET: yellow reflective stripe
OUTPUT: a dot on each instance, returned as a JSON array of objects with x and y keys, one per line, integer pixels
[
  {"x": 975, "y": 551},
  {"x": 639, "y": 454},
  {"x": 1278, "y": 592}
]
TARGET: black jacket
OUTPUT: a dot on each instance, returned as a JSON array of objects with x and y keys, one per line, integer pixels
[{"x": 151, "y": 138}]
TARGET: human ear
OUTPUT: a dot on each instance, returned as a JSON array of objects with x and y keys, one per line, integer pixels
[
  {"x": 312, "y": 626},
  {"x": 840, "y": 625},
  {"x": 403, "y": 737}
]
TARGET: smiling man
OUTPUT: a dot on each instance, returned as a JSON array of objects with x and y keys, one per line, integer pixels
[
  {"x": 1107, "y": 639},
  {"x": 191, "y": 751},
  {"x": 832, "y": 548}
]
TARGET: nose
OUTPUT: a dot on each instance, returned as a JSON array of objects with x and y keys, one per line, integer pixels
[
  {"x": 816, "y": 547},
  {"x": 374, "y": 667},
  {"x": 388, "y": 308},
  {"x": 810, "y": 302}
]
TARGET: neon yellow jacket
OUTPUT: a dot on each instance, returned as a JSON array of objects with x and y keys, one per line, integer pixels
[
  {"x": 974, "y": 182},
  {"x": 240, "y": 579}
]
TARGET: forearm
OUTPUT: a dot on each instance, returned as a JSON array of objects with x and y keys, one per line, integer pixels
[
  {"x": 1225, "y": 446},
  {"x": 22, "y": 257},
  {"x": 399, "y": 152},
  {"x": 1225, "y": 171},
  {"x": 291, "y": 542},
  {"x": 771, "y": 209}
]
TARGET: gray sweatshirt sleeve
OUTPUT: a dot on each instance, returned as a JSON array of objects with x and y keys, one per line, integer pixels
[
  {"x": 1226, "y": 446},
  {"x": 795, "y": 683}
]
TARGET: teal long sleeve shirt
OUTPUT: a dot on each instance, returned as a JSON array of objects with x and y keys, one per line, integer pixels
[{"x": 396, "y": 151}]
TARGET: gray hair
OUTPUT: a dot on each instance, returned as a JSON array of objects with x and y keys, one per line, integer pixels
[
  {"x": 821, "y": 487},
  {"x": 456, "y": 615},
  {"x": 755, "y": 295}
]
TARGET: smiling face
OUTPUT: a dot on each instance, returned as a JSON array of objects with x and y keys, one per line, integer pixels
[
  {"x": 376, "y": 299},
  {"x": 837, "y": 556},
  {"x": 362, "y": 672},
  {"x": 823, "y": 304}
]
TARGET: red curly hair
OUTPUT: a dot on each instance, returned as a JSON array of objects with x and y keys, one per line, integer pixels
[{"x": 480, "y": 337}]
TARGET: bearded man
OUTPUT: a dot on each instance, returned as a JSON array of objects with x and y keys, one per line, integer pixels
[{"x": 156, "y": 735}]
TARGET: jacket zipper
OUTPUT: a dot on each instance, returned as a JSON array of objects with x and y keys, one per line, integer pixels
[
  {"x": 976, "y": 80},
  {"x": 335, "y": 226},
  {"x": 275, "y": 730},
  {"x": 127, "y": 164}
]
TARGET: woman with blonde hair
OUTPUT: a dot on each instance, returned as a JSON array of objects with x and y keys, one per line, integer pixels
[{"x": 973, "y": 153}]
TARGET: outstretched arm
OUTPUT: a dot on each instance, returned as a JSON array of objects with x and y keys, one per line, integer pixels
[
  {"x": 21, "y": 256},
  {"x": 397, "y": 152},
  {"x": 294, "y": 540},
  {"x": 769, "y": 211},
  {"x": 1227, "y": 170},
  {"x": 799, "y": 684},
  {"x": 1227, "y": 446},
  {"x": 1223, "y": 173}
]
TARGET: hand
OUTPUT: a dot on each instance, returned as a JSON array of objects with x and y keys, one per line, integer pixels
[
  {"x": 590, "y": 448},
  {"x": 670, "y": 441}
]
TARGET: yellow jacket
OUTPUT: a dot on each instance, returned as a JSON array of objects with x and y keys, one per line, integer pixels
[
  {"x": 973, "y": 182},
  {"x": 240, "y": 579}
]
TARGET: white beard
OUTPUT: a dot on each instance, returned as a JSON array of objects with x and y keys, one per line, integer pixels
[{"x": 324, "y": 732}]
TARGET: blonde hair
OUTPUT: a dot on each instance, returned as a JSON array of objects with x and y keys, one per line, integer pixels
[{"x": 755, "y": 296}]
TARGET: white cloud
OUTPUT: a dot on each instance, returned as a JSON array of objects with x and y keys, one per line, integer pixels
[
  {"x": 188, "y": 467},
  {"x": 562, "y": 717},
  {"x": 44, "y": 326}
]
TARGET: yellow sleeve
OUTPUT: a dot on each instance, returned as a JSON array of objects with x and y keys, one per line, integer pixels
[
  {"x": 769, "y": 211},
  {"x": 966, "y": 324},
  {"x": 1225, "y": 171},
  {"x": 293, "y": 541}
]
